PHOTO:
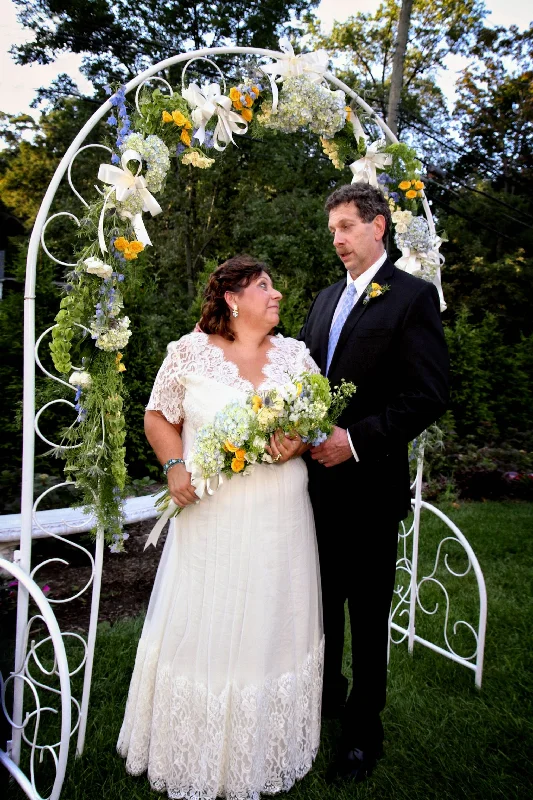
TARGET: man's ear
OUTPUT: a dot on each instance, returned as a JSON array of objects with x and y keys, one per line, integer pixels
[{"x": 379, "y": 227}]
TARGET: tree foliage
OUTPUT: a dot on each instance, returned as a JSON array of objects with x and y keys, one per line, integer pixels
[
  {"x": 494, "y": 111},
  {"x": 119, "y": 39},
  {"x": 364, "y": 47}
]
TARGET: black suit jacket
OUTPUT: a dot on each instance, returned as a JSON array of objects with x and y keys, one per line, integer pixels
[{"x": 393, "y": 349}]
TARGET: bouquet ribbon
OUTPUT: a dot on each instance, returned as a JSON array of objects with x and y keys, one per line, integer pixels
[
  {"x": 208, "y": 101},
  {"x": 201, "y": 485},
  {"x": 125, "y": 184},
  {"x": 364, "y": 169},
  {"x": 155, "y": 533}
]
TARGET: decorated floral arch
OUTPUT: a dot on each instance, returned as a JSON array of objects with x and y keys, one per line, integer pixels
[{"x": 194, "y": 123}]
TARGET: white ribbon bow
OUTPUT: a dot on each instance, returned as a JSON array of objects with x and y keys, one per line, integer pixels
[
  {"x": 314, "y": 65},
  {"x": 364, "y": 169},
  {"x": 206, "y": 102},
  {"x": 201, "y": 485},
  {"x": 411, "y": 262},
  {"x": 124, "y": 184}
]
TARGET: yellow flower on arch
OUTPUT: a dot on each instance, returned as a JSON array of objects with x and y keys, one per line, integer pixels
[
  {"x": 411, "y": 194},
  {"x": 419, "y": 185},
  {"x": 404, "y": 185},
  {"x": 179, "y": 118},
  {"x": 130, "y": 249}
]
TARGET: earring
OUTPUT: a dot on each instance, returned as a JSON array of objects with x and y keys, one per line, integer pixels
[{"x": 235, "y": 311}]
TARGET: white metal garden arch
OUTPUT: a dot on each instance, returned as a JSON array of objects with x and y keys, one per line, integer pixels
[{"x": 407, "y": 601}]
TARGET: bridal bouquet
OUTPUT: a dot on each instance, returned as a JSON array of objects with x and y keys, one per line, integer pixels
[{"x": 237, "y": 438}]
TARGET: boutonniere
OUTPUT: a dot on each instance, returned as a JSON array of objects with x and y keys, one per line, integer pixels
[{"x": 375, "y": 290}]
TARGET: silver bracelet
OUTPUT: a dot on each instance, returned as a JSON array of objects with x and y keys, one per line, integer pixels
[{"x": 171, "y": 463}]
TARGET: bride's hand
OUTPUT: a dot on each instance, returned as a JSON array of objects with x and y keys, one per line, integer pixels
[
  {"x": 284, "y": 446},
  {"x": 180, "y": 486}
]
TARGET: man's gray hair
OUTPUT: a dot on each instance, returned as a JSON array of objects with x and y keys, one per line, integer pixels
[{"x": 368, "y": 201}]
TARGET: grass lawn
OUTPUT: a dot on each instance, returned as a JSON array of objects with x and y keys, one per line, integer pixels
[{"x": 444, "y": 738}]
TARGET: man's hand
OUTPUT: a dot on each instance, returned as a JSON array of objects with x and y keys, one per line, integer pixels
[{"x": 334, "y": 450}]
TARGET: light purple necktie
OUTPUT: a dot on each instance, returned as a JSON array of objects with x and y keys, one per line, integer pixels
[{"x": 342, "y": 316}]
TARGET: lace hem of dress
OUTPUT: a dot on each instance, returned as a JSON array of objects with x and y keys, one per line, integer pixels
[
  {"x": 284, "y": 784},
  {"x": 238, "y": 744}
]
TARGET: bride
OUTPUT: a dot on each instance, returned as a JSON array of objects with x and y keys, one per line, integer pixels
[{"x": 225, "y": 694}]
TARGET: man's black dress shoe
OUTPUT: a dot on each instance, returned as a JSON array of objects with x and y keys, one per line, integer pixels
[{"x": 354, "y": 765}]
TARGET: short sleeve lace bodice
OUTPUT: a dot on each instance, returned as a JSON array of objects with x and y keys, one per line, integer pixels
[{"x": 194, "y": 355}]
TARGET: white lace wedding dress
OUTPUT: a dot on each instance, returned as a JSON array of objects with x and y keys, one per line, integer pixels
[{"x": 226, "y": 689}]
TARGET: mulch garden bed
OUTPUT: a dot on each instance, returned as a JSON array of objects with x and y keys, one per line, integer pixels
[{"x": 127, "y": 578}]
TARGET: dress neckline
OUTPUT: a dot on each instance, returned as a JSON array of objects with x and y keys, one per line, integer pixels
[{"x": 241, "y": 378}]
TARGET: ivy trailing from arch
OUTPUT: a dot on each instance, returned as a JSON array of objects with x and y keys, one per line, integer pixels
[{"x": 194, "y": 124}]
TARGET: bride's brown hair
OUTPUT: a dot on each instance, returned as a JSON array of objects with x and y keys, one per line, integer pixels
[{"x": 233, "y": 275}]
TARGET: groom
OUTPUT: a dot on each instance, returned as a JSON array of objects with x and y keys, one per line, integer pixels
[{"x": 379, "y": 328}]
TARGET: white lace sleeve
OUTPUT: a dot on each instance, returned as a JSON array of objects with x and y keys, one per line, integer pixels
[
  {"x": 298, "y": 354},
  {"x": 308, "y": 363},
  {"x": 168, "y": 390}
]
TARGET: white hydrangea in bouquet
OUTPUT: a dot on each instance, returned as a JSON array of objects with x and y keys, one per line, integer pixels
[{"x": 306, "y": 406}]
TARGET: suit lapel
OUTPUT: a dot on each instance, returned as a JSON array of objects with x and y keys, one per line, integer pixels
[
  {"x": 327, "y": 315},
  {"x": 383, "y": 274}
]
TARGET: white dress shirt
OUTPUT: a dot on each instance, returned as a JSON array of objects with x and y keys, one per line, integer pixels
[{"x": 360, "y": 285}]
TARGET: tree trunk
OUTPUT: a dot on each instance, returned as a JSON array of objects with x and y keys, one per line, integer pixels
[{"x": 397, "y": 65}]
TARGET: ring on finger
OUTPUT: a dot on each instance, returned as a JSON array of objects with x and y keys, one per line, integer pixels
[{"x": 277, "y": 457}]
